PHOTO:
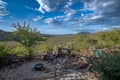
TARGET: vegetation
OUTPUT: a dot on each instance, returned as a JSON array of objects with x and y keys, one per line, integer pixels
[
  {"x": 43, "y": 48},
  {"x": 3, "y": 53},
  {"x": 81, "y": 43},
  {"x": 84, "y": 42},
  {"x": 108, "y": 65},
  {"x": 60, "y": 39},
  {"x": 109, "y": 38},
  {"x": 26, "y": 36},
  {"x": 29, "y": 41}
]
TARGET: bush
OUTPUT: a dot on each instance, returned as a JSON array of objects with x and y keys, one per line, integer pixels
[
  {"x": 108, "y": 65},
  {"x": 19, "y": 51},
  {"x": 3, "y": 53},
  {"x": 43, "y": 48}
]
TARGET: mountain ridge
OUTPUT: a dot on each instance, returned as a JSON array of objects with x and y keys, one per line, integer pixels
[{"x": 6, "y": 35}]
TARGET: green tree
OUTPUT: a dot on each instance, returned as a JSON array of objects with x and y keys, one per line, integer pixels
[{"x": 27, "y": 36}]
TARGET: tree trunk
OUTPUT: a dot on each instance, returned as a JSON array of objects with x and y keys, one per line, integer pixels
[{"x": 30, "y": 53}]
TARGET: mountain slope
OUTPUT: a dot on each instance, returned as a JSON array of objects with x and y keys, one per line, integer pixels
[{"x": 5, "y": 36}]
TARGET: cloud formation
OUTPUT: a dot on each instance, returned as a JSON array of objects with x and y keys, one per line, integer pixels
[
  {"x": 82, "y": 12},
  {"x": 3, "y": 10},
  {"x": 105, "y": 11},
  {"x": 73, "y": 15},
  {"x": 48, "y": 5}
]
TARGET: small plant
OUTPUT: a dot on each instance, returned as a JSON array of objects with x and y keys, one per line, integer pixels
[{"x": 108, "y": 65}]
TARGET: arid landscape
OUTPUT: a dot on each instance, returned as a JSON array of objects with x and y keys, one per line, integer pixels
[{"x": 59, "y": 40}]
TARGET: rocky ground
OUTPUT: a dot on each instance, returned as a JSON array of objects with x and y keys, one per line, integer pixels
[{"x": 26, "y": 71}]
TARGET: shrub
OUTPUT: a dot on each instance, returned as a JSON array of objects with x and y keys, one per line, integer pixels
[
  {"x": 43, "y": 48},
  {"x": 108, "y": 65},
  {"x": 3, "y": 53},
  {"x": 19, "y": 50}
]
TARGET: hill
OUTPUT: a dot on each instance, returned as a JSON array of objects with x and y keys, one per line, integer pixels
[
  {"x": 5, "y": 36},
  {"x": 84, "y": 33},
  {"x": 60, "y": 39},
  {"x": 52, "y": 39}
]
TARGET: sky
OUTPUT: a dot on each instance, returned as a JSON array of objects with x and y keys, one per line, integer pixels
[{"x": 61, "y": 16}]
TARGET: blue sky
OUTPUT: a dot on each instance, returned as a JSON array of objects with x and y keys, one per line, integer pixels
[{"x": 61, "y": 16}]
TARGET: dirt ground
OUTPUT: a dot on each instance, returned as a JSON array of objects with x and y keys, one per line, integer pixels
[{"x": 26, "y": 71}]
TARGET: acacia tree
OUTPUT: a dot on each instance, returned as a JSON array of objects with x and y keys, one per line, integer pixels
[{"x": 26, "y": 36}]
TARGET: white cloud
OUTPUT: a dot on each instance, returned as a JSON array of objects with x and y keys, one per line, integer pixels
[
  {"x": 45, "y": 6},
  {"x": 48, "y": 5},
  {"x": 96, "y": 17},
  {"x": 2, "y": 3},
  {"x": 59, "y": 17},
  {"x": 99, "y": 6},
  {"x": 69, "y": 3},
  {"x": 107, "y": 3},
  {"x": 72, "y": 12},
  {"x": 3, "y": 11},
  {"x": 69, "y": 13},
  {"x": 53, "y": 21},
  {"x": 103, "y": 12},
  {"x": 94, "y": 12},
  {"x": 82, "y": 15},
  {"x": 49, "y": 20},
  {"x": 37, "y": 18},
  {"x": 90, "y": 6}
]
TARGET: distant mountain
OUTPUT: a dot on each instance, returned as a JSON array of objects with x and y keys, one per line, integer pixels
[
  {"x": 5, "y": 36},
  {"x": 84, "y": 33},
  {"x": 46, "y": 35}
]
